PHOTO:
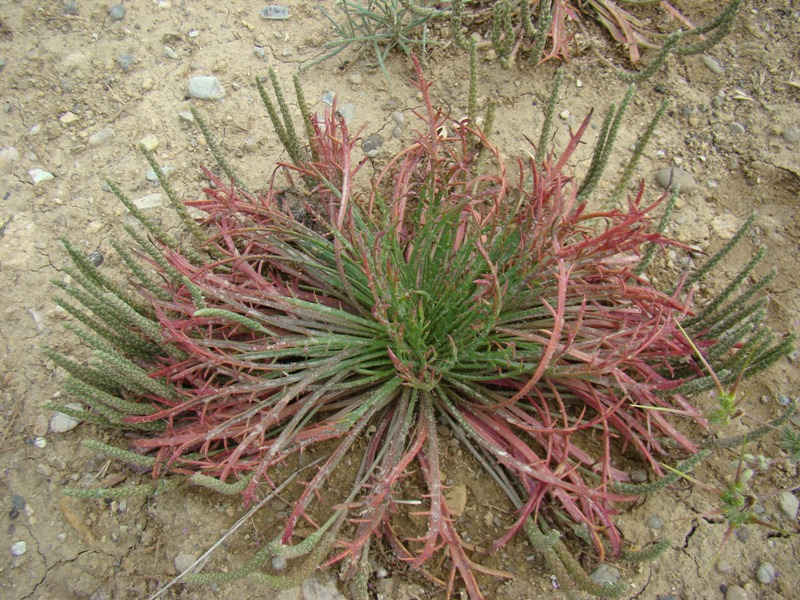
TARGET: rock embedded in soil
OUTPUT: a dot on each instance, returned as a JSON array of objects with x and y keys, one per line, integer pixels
[
  {"x": 605, "y": 574},
  {"x": 372, "y": 144},
  {"x": 736, "y": 593},
  {"x": 275, "y": 12},
  {"x": 456, "y": 500},
  {"x": 791, "y": 135},
  {"x": 19, "y": 548},
  {"x": 61, "y": 423},
  {"x": 655, "y": 522},
  {"x": 183, "y": 561},
  {"x": 117, "y": 12},
  {"x": 712, "y": 64},
  {"x": 101, "y": 136},
  {"x": 18, "y": 502},
  {"x": 313, "y": 589},
  {"x": 206, "y": 87},
  {"x": 125, "y": 61},
  {"x": 765, "y": 573},
  {"x": 39, "y": 175},
  {"x": 788, "y": 504},
  {"x": 8, "y": 156},
  {"x": 676, "y": 178}
]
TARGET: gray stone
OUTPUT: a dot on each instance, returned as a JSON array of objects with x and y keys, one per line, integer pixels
[
  {"x": 676, "y": 178},
  {"x": 712, "y": 64},
  {"x": 398, "y": 118},
  {"x": 606, "y": 574},
  {"x": 765, "y": 573},
  {"x": 117, "y": 12},
  {"x": 101, "y": 136},
  {"x": 166, "y": 169},
  {"x": 736, "y": 128},
  {"x": 348, "y": 111},
  {"x": 187, "y": 116},
  {"x": 655, "y": 522},
  {"x": 205, "y": 87},
  {"x": 788, "y": 504},
  {"x": 792, "y": 135},
  {"x": 183, "y": 561},
  {"x": 371, "y": 145},
  {"x": 275, "y": 13},
  {"x": 61, "y": 423},
  {"x": 397, "y": 132},
  {"x": 313, "y": 589},
  {"x": 170, "y": 53},
  {"x": 638, "y": 476},
  {"x": 327, "y": 98},
  {"x": 125, "y": 61},
  {"x": 736, "y": 593},
  {"x": 260, "y": 52},
  {"x": 356, "y": 79},
  {"x": 18, "y": 502},
  {"x": 96, "y": 258}
]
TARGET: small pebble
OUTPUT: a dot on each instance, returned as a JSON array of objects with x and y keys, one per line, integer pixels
[
  {"x": 260, "y": 52},
  {"x": 736, "y": 128},
  {"x": 101, "y": 136},
  {"x": 371, "y": 145},
  {"x": 736, "y": 593},
  {"x": 116, "y": 12},
  {"x": 38, "y": 175},
  {"x": 765, "y": 573},
  {"x": 348, "y": 111},
  {"x": 605, "y": 574},
  {"x": 398, "y": 118},
  {"x": 68, "y": 117},
  {"x": 712, "y": 64},
  {"x": 638, "y": 476},
  {"x": 327, "y": 98},
  {"x": 356, "y": 79},
  {"x": 193, "y": 34},
  {"x": 275, "y": 13},
  {"x": 19, "y": 548},
  {"x": 166, "y": 169},
  {"x": 61, "y": 423},
  {"x": 564, "y": 114},
  {"x": 183, "y": 561},
  {"x": 791, "y": 135},
  {"x": 655, "y": 522},
  {"x": 125, "y": 62},
  {"x": 788, "y": 504},
  {"x": 206, "y": 88},
  {"x": 723, "y": 566},
  {"x": 170, "y": 53},
  {"x": 18, "y": 502},
  {"x": 742, "y": 534},
  {"x": 39, "y": 442},
  {"x": 149, "y": 201},
  {"x": 278, "y": 563},
  {"x": 397, "y": 132},
  {"x": 381, "y": 573},
  {"x": 96, "y": 258},
  {"x": 674, "y": 177},
  {"x": 150, "y": 142},
  {"x": 187, "y": 116},
  {"x": 70, "y": 8}
]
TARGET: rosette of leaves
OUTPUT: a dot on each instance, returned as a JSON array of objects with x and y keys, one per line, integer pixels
[{"x": 454, "y": 293}]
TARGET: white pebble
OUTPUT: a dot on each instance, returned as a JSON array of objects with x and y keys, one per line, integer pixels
[
  {"x": 149, "y": 201},
  {"x": 38, "y": 175},
  {"x": 564, "y": 114},
  {"x": 19, "y": 548},
  {"x": 150, "y": 142},
  {"x": 206, "y": 88},
  {"x": 61, "y": 423},
  {"x": 40, "y": 442}
]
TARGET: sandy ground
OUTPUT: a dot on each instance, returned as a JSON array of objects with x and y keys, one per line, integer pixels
[{"x": 69, "y": 75}]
